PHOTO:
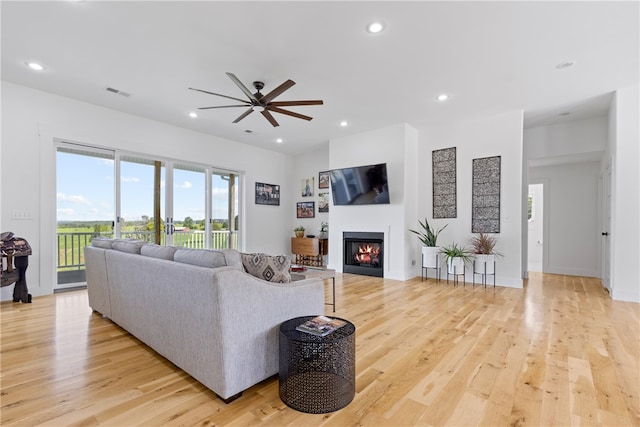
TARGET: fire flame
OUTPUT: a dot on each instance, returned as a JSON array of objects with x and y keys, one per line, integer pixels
[{"x": 367, "y": 253}]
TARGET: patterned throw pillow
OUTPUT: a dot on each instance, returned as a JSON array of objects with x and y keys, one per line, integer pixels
[{"x": 267, "y": 267}]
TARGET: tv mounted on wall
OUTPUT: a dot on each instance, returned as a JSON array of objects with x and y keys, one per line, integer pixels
[{"x": 360, "y": 185}]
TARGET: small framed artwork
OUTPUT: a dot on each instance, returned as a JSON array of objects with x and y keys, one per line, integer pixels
[
  {"x": 323, "y": 179},
  {"x": 306, "y": 209},
  {"x": 307, "y": 186},
  {"x": 323, "y": 203},
  {"x": 267, "y": 194}
]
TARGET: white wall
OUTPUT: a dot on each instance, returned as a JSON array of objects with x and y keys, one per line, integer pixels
[
  {"x": 624, "y": 152},
  {"x": 499, "y": 135},
  {"x": 392, "y": 145},
  {"x": 31, "y": 119},
  {"x": 305, "y": 166},
  {"x": 572, "y": 218},
  {"x": 566, "y": 139}
]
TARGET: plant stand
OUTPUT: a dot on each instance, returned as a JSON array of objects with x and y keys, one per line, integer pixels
[
  {"x": 484, "y": 274},
  {"x": 424, "y": 271},
  {"x": 455, "y": 275}
]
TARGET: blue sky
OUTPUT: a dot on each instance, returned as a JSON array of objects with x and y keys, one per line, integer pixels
[{"x": 85, "y": 190}]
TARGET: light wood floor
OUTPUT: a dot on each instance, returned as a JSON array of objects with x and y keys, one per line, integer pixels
[{"x": 559, "y": 352}]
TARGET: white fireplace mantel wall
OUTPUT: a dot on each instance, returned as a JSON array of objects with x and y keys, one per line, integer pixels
[{"x": 396, "y": 146}]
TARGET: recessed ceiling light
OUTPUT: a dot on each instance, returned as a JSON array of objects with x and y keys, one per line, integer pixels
[
  {"x": 562, "y": 65},
  {"x": 193, "y": 115},
  {"x": 442, "y": 97},
  {"x": 35, "y": 66},
  {"x": 344, "y": 123},
  {"x": 279, "y": 140},
  {"x": 375, "y": 27}
]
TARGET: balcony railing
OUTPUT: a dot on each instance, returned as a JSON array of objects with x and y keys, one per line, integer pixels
[{"x": 71, "y": 245}]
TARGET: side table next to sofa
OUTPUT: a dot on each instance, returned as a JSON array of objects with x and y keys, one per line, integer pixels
[{"x": 317, "y": 374}]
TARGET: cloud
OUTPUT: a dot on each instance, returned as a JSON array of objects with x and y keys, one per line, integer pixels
[
  {"x": 129, "y": 179},
  {"x": 72, "y": 199},
  {"x": 65, "y": 212},
  {"x": 186, "y": 185}
]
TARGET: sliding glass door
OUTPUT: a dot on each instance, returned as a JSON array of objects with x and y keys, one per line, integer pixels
[
  {"x": 114, "y": 194},
  {"x": 189, "y": 206},
  {"x": 85, "y": 206},
  {"x": 141, "y": 208}
]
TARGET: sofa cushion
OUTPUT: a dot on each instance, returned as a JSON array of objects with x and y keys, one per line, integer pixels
[
  {"x": 158, "y": 251},
  {"x": 267, "y": 267},
  {"x": 130, "y": 246},
  {"x": 102, "y": 242},
  {"x": 201, "y": 257},
  {"x": 232, "y": 258}
]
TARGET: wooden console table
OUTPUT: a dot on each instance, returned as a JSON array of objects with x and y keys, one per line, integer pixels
[{"x": 309, "y": 251}]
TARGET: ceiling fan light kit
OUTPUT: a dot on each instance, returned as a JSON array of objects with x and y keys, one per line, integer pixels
[{"x": 263, "y": 104}]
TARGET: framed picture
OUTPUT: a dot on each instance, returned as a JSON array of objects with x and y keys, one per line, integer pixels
[
  {"x": 323, "y": 203},
  {"x": 306, "y": 209},
  {"x": 323, "y": 179},
  {"x": 307, "y": 186},
  {"x": 267, "y": 194}
]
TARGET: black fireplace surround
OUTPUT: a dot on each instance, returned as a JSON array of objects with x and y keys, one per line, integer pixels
[{"x": 363, "y": 253}]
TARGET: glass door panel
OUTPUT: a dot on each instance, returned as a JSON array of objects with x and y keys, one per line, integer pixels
[
  {"x": 189, "y": 216},
  {"x": 141, "y": 199},
  {"x": 84, "y": 206},
  {"x": 225, "y": 210}
]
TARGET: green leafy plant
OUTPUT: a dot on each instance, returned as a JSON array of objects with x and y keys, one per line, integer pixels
[
  {"x": 299, "y": 228},
  {"x": 456, "y": 251},
  {"x": 484, "y": 244},
  {"x": 428, "y": 235}
]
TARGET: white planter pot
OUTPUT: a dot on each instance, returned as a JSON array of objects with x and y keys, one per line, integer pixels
[
  {"x": 484, "y": 264},
  {"x": 431, "y": 256},
  {"x": 455, "y": 265}
]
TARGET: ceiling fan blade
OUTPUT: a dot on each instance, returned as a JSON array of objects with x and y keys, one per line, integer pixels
[
  {"x": 242, "y": 87},
  {"x": 295, "y": 103},
  {"x": 267, "y": 115},
  {"x": 243, "y": 115},
  {"x": 222, "y": 106},
  {"x": 288, "y": 113},
  {"x": 224, "y": 96},
  {"x": 277, "y": 91}
]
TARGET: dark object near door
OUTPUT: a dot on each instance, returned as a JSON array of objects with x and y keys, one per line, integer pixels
[{"x": 16, "y": 250}]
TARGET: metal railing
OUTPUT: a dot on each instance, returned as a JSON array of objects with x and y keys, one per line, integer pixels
[{"x": 71, "y": 245}]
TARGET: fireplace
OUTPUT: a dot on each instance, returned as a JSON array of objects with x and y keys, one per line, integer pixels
[{"x": 363, "y": 253}]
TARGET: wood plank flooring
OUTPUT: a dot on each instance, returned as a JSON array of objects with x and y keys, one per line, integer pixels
[{"x": 559, "y": 352}]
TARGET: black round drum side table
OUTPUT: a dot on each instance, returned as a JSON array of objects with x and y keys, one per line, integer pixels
[{"x": 317, "y": 374}]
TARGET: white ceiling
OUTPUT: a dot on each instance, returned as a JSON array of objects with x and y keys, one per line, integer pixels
[{"x": 490, "y": 57}]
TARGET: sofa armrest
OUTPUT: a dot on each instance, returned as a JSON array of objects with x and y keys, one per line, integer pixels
[{"x": 250, "y": 318}]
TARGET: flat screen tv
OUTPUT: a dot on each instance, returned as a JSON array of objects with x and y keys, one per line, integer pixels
[{"x": 360, "y": 185}]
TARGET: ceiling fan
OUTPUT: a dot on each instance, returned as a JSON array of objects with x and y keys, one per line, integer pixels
[{"x": 262, "y": 103}]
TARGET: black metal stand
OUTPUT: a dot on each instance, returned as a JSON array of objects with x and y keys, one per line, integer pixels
[
  {"x": 484, "y": 274},
  {"x": 455, "y": 276},
  {"x": 424, "y": 271}
]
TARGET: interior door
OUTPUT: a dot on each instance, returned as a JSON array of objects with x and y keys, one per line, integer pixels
[{"x": 606, "y": 248}]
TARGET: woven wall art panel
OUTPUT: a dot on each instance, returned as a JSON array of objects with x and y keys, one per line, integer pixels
[
  {"x": 444, "y": 183},
  {"x": 485, "y": 204}
]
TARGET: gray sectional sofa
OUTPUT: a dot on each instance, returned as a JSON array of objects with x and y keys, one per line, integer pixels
[{"x": 199, "y": 309}]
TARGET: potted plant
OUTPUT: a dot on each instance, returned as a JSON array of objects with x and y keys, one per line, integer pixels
[
  {"x": 457, "y": 257},
  {"x": 429, "y": 237},
  {"x": 299, "y": 230},
  {"x": 483, "y": 246}
]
